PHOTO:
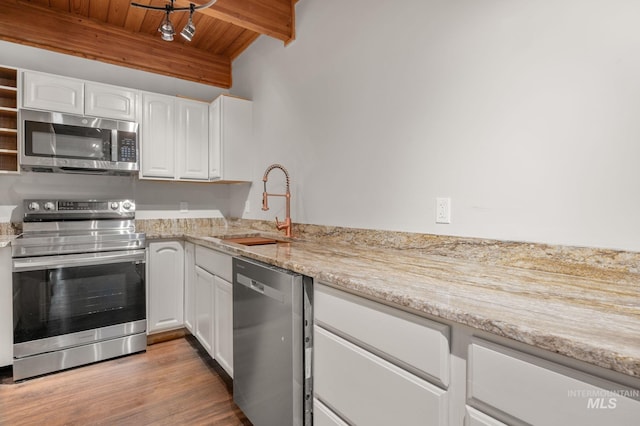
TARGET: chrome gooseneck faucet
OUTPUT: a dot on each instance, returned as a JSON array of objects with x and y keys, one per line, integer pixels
[{"x": 286, "y": 225}]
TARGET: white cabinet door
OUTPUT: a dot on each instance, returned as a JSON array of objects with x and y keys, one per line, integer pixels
[
  {"x": 364, "y": 389},
  {"x": 231, "y": 139},
  {"x": 52, "y": 93},
  {"x": 118, "y": 103},
  {"x": 189, "y": 286},
  {"x": 166, "y": 285},
  {"x": 204, "y": 309},
  {"x": 539, "y": 392},
  {"x": 223, "y": 324},
  {"x": 192, "y": 139},
  {"x": 215, "y": 142},
  {"x": 158, "y": 136},
  {"x": 6, "y": 308}
]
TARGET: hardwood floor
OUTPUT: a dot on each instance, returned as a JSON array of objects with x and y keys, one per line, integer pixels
[{"x": 173, "y": 383}]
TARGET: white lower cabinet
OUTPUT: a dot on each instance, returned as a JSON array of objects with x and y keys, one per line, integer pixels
[
  {"x": 189, "y": 286},
  {"x": 209, "y": 302},
  {"x": 165, "y": 286},
  {"x": 525, "y": 389},
  {"x": 364, "y": 375},
  {"x": 6, "y": 308},
  {"x": 378, "y": 365},
  {"x": 367, "y": 390},
  {"x": 223, "y": 323},
  {"x": 387, "y": 330},
  {"x": 204, "y": 309}
]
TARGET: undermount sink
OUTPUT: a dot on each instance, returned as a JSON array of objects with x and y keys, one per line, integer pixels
[{"x": 253, "y": 241}]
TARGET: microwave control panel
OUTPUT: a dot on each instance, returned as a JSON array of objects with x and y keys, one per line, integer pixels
[{"x": 127, "y": 150}]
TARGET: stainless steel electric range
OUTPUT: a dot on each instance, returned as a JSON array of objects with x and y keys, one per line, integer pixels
[{"x": 78, "y": 285}]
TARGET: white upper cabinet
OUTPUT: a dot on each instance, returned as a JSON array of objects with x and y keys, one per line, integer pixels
[
  {"x": 63, "y": 94},
  {"x": 52, "y": 93},
  {"x": 102, "y": 100},
  {"x": 230, "y": 139},
  {"x": 174, "y": 139},
  {"x": 157, "y": 144},
  {"x": 192, "y": 138}
]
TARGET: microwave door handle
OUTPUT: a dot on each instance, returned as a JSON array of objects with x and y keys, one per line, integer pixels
[{"x": 114, "y": 145}]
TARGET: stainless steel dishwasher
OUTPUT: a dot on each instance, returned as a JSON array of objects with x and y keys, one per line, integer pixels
[{"x": 272, "y": 344}]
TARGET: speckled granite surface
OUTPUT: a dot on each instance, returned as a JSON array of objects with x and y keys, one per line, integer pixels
[
  {"x": 7, "y": 228},
  {"x": 580, "y": 302},
  {"x": 8, "y": 232}
]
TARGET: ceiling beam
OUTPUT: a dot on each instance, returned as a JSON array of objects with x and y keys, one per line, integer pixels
[
  {"x": 275, "y": 18},
  {"x": 77, "y": 35}
]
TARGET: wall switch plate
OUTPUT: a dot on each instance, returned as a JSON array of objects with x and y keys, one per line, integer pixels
[
  {"x": 184, "y": 207},
  {"x": 443, "y": 210}
]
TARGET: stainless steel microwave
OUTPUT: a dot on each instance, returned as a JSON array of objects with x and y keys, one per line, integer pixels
[{"x": 70, "y": 143}]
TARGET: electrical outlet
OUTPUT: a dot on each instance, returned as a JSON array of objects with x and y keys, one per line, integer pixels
[
  {"x": 184, "y": 207},
  {"x": 247, "y": 206},
  {"x": 443, "y": 210}
]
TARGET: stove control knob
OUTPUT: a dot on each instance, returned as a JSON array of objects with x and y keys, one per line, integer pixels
[
  {"x": 114, "y": 205},
  {"x": 33, "y": 206},
  {"x": 126, "y": 205},
  {"x": 49, "y": 206}
]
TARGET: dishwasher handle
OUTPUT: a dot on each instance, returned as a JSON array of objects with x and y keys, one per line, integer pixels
[{"x": 260, "y": 287}]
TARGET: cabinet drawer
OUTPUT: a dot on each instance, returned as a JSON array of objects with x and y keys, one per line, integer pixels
[
  {"x": 215, "y": 262},
  {"x": 323, "y": 416},
  {"x": 364, "y": 389},
  {"x": 407, "y": 339},
  {"x": 537, "y": 391}
]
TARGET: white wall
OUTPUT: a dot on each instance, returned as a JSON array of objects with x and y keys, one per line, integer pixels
[
  {"x": 154, "y": 199},
  {"x": 525, "y": 113}
]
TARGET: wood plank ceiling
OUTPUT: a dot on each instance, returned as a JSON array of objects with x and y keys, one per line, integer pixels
[{"x": 115, "y": 32}]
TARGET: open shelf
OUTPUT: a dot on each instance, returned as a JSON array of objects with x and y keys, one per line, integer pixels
[{"x": 8, "y": 120}]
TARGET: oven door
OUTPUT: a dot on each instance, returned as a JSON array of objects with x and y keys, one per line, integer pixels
[{"x": 69, "y": 300}]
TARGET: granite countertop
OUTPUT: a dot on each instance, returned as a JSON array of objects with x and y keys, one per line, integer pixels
[
  {"x": 580, "y": 302},
  {"x": 590, "y": 317},
  {"x": 5, "y": 240}
]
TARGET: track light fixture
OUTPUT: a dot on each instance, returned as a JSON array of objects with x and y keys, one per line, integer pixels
[
  {"x": 166, "y": 28},
  {"x": 189, "y": 30}
]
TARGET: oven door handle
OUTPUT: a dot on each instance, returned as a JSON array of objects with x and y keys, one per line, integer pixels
[{"x": 73, "y": 260}]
